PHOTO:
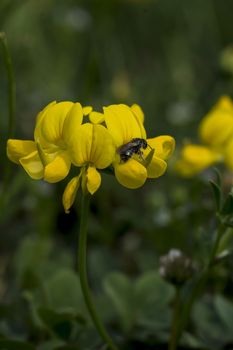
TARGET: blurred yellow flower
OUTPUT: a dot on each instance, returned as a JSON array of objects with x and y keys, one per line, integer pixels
[
  {"x": 91, "y": 147},
  {"x": 125, "y": 124},
  {"x": 216, "y": 135},
  {"x": 48, "y": 156},
  {"x": 120, "y": 86}
]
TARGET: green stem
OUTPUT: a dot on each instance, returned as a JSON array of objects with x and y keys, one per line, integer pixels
[
  {"x": 82, "y": 267},
  {"x": 11, "y": 85},
  {"x": 221, "y": 230},
  {"x": 175, "y": 321},
  {"x": 200, "y": 283}
]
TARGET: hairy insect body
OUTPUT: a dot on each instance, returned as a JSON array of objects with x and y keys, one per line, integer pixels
[{"x": 127, "y": 150}]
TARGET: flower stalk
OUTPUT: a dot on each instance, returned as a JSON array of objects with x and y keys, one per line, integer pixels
[
  {"x": 198, "y": 287},
  {"x": 175, "y": 320},
  {"x": 82, "y": 268}
]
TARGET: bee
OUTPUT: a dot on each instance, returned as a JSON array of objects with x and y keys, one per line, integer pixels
[{"x": 127, "y": 150}]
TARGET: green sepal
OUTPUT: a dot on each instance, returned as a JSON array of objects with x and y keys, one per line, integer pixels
[
  {"x": 148, "y": 158},
  {"x": 109, "y": 170}
]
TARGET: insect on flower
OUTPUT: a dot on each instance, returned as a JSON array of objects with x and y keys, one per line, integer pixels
[{"x": 127, "y": 150}]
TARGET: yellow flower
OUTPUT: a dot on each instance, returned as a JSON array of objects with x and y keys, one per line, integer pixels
[
  {"x": 195, "y": 158},
  {"x": 125, "y": 124},
  {"x": 91, "y": 147},
  {"x": 216, "y": 134},
  {"x": 216, "y": 128},
  {"x": 48, "y": 156},
  {"x": 60, "y": 139},
  {"x": 98, "y": 117}
]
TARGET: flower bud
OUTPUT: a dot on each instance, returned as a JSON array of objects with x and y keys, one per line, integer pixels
[{"x": 176, "y": 268}]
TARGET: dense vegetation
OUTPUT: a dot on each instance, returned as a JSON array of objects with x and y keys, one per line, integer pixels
[{"x": 175, "y": 59}]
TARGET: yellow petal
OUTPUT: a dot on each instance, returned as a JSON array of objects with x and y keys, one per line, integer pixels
[
  {"x": 73, "y": 120},
  {"x": 87, "y": 110},
  {"x": 225, "y": 102},
  {"x": 195, "y": 158},
  {"x": 58, "y": 169},
  {"x": 96, "y": 117},
  {"x": 33, "y": 165},
  {"x": 70, "y": 192},
  {"x": 122, "y": 124},
  {"x": 217, "y": 126},
  {"x": 41, "y": 113},
  {"x": 185, "y": 169},
  {"x": 53, "y": 120},
  {"x": 130, "y": 174},
  {"x": 39, "y": 118},
  {"x": 45, "y": 157},
  {"x": 139, "y": 115},
  {"x": 156, "y": 168},
  {"x": 17, "y": 149},
  {"x": 138, "y": 112},
  {"x": 163, "y": 145},
  {"x": 93, "y": 144},
  {"x": 93, "y": 179}
]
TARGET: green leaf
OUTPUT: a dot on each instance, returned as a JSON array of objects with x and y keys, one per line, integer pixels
[
  {"x": 51, "y": 344},
  {"x": 217, "y": 194},
  {"x": 30, "y": 258},
  {"x": 227, "y": 208},
  {"x": 192, "y": 341},
  {"x": 153, "y": 311},
  {"x": 120, "y": 290},
  {"x": 226, "y": 241},
  {"x": 139, "y": 302},
  {"x": 61, "y": 323},
  {"x": 64, "y": 292},
  {"x": 209, "y": 324},
  {"x": 225, "y": 310},
  {"x": 149, "y": 288},
  {"x": 15, "y": 345},
  {"x": 225, "y": 254}
]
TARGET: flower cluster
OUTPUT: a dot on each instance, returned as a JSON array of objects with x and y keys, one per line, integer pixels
[
  {"x": 67, "y": 133},
  {"x": 216, "y": 135}
]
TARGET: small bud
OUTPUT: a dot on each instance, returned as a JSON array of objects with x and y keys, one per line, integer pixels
[{"x": 176, "y": 268}]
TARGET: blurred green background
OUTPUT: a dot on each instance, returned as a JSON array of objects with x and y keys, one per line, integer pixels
[{"x": 175, "y": 59}]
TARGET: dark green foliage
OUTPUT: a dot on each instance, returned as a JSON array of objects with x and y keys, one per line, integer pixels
[
  {"x": 213, "y": 320},
  {"x": 166, "y": 56},
  {"x": 15, "y": 345}
]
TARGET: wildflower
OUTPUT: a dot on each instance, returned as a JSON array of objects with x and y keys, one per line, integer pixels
[
  {"x": 48, "y": 155},
  {"x": 216, "y": 135},
  {"x": 91, "y": 147},
  {"x": 98, "y": 117},
  {"x": 176, "y": 268},
  {"x": 125, "y": 124}
]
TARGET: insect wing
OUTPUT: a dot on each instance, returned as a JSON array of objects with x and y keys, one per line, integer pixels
[{"x": 124, "y": 148}]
